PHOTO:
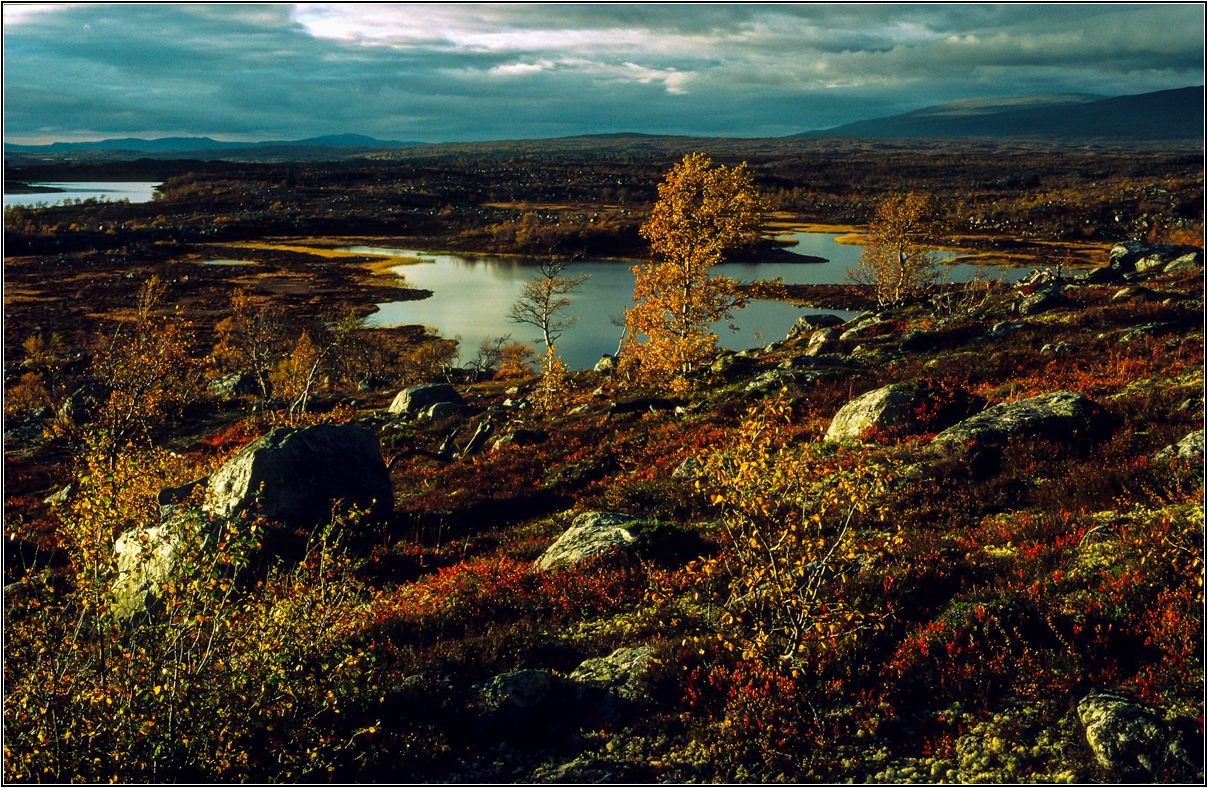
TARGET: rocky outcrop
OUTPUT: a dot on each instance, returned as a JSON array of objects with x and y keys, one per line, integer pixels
[
  {"x": 824, "y": 340},
  {"x": 1189, "y": 449},
  {"x": 591, "y": 535},
  {"x": 146, "y": 558},
  {"x": 1137, "y": 256},
  {"x": 412, "y": 400},
  {"x": 606, "y": 365},
  {"x": 1131, "y": 741},
  {"x": 233, "y": 386},
  {"x": 522, "y": 438},
  {"x": 618, "y": 673},
  {"x": 1064, "y": 417},
  {"x": 1042, "y": 301},
  {"x": 292, "y": 476},
  {"x": 902, "y": 409},
  {"x": 808, "y": 324}
]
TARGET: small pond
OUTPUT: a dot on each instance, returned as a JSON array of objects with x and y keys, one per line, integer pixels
[
  {"x": 134, "y": 191},
  {"x": 471, "y": 296}
]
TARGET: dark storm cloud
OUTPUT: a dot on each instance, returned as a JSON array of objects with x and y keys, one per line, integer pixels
[{"x": 439, "y": 72}]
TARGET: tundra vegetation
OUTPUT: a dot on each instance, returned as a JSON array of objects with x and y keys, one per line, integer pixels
[{"x": 988, "y": 569}]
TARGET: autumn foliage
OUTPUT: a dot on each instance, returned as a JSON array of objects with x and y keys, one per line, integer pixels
[{"x": 702, "y": 212}]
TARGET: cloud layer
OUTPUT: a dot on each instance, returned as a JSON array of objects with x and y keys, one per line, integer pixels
[{"x": 463, "y": 72}]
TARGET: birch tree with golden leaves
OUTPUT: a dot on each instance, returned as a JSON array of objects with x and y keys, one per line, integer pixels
[
  {"x": 895, "y": 261},
  {"x": 702, "y": 211}
]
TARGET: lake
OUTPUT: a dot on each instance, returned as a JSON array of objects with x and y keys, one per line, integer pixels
[
  {"x": 471, "y": 296},
  {"x": 134, "y": 191}
]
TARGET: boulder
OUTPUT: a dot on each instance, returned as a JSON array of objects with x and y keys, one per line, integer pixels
[
  {"x": 146, "y": 557},
  {"x": 728, "y": 365},
  {"x": 808, "y": 324},
  {"x": 1193, "y": 261},
  {"x": 63, "y": 495},
  {"x": 776, "y": 379},
  {"x": 902, "y": 409},
  {"x": 1138, "y": 256},
  {"x": 292, "y": 476},
  {"x": 1061, "y": 416},
  {"x": 1129, "y": 740},
  {"x": 1000, "y": 330},
  {"x": 618, "y": 673},
  {"x": 412, "y": 400},
  {"x": 1041, "y": 301},
  {"x": 517, "y": 690},
  {"x": 867, "y": 328},
  {"x": 522, "y": 438},
  {"x": 1190, "y": 449},
  {"x": 443, "y": 410},
  {"x": 824, "y": 340},
  {"x": 1134, "y": 293},
  {"x": 233, "y": 386},
  {"x": 591, "y": 535},
  {"x": 607, "y": 364}
]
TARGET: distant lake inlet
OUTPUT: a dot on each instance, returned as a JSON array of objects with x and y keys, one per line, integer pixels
[{"x": 133, "y": 191}]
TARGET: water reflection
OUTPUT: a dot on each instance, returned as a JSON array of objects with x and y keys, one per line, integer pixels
[
  {"x": 133, "y": 191},
  {"x": 471, "y": 296}
]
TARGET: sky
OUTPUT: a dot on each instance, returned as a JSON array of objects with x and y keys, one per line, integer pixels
[{"x": 464, "y": 72}]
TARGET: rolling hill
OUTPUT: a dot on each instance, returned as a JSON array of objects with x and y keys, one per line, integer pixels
[{"x": 1165, "y": 114}]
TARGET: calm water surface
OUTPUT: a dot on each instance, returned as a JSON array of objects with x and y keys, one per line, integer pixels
[
  {"x": 471, "y": 296},
  {"x": 134, "y": 191}
]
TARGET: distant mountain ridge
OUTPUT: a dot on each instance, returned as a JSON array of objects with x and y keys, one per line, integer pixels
[
  {"x": 205, "y": 144},
  {"x": 1164, "y": 114}
]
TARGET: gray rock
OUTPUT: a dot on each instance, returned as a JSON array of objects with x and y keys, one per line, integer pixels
[
  {"x": 417, "y": 398},
  {"x": 1134, "y": 293},
  {"x": 1057, "y": 349},
  {"x": 1061, "y": 416},
  {"x": 824, "y": 340},
  {"x": 617, "y": 673},
  {"x": 1146, "y": 331},
  {"x": 1129, "y": 740},
  {"x": 729, "y": 365},
  {"x": 522, "y": 438},
  {"x": 807, "y": 324},
  {"x": 233, "y": 386},
  {"x": 865, "y": 328},
  {"x": 301, "y": 472},
  {"x": 1190, "y": 449},
  {"x": 901, "y": 409},
  {"x": 591, "y": 535},
  {"x": 443, "y": 410},
  {"x": 999, "y": 330},
  {"x": 1041, "y": 301},
  {"x": 518, "y": 692},
  {"x": 1193, "y": 261},
  {"x": 63, "y": 495},
  {"x": 606, "y": 364},
  {"x": 1133, "y": 255},
  {"x": 147, "y": 557},
  {"x": 775, "y": 379}
]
